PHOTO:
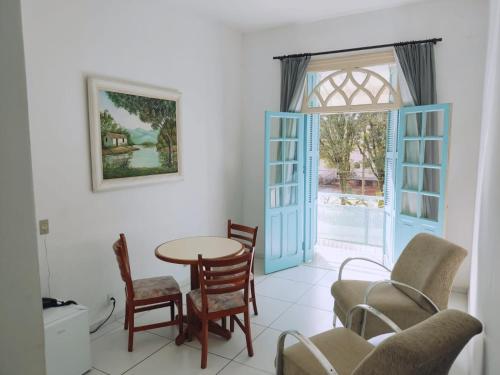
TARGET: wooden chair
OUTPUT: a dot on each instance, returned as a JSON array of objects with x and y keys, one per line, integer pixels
[
  {"x": 223, "y": 292},
  {"x": 147, "y": 294},
  {"x": 248, "y": 237}
]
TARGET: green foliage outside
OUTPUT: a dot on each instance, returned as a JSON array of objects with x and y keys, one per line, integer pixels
[
  {"x": 341, "y": 134},
  {"x": 109, "y": 125},
  {"x": 159, "y": 113}
]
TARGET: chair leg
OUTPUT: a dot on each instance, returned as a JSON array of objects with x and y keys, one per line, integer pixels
[
  {"x": 231, "y": 323},
  {"x": 254, "y": 301},
  {"x": 248, "y": 333},
  {"x": 125, "y": 325},
  {"x": 130, "y": 328},
  {"x": 180, "y": 339},
  {"x": 189, "y": 320},
  {"x": 223, "y": 322},
  {"x": 172, "y": 312},
  {"x": 204, "y": 343}
]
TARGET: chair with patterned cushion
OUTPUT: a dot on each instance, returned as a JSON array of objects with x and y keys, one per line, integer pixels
[
  {"x": 248, "y": 238},
  {"x": 223, "y": 292},
  {"x": 147, "y": 294},
  {"x": 428, "y": 348},
  {"x": 419, "y": 286}
]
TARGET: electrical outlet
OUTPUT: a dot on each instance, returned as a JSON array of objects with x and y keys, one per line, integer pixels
[
  {"x": 110, "y": 296},
  {"x": 44, "y": 226}
]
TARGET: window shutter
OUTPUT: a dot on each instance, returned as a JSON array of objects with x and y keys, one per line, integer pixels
[
  {"x": 311, "y": 189},
  {"x": 389, "y": 186}
]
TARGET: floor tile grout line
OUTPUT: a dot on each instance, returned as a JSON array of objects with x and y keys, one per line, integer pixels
[
  {"x": 104, "y": 372},
  {"x": 138, "y": 363}
]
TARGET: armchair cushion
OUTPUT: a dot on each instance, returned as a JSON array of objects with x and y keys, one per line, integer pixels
[
  {"x": 153, "y": 287},
  {"x": 343, "y": 348},
  {"x": 404, "y": 311},
  {"x": 429, "y": 264}
]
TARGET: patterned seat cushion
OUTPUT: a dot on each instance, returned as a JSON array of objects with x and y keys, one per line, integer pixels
[
  {"x": 218, "y": 302},
  {"x": 155, "y": 287}
]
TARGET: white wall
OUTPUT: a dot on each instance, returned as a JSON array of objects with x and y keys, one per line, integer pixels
[
  {"x": 460, "y": 60},
  {"x": 144, "y": 41},
  {"x": 485, "y": 279},
  {"x": 21, "y": 338}
]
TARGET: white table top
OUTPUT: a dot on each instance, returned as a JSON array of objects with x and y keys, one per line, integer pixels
[{"x": 186, "y": 250}]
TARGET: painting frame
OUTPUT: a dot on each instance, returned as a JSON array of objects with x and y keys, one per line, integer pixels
[{"x": 96, "y": 84}]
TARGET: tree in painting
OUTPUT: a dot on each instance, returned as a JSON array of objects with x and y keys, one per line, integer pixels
[
  {"x": 108, "y": 124},
  {"x": 159, "y": 113}
]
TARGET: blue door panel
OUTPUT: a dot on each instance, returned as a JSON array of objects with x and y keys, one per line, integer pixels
[
  {"x": 421, "y": 175},
  {"x": 284, "y": 190}
]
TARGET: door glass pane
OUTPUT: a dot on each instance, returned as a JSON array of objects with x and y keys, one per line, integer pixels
[
  {"x": 289, "y": 195},
  {"x": 412, "y": 153},
  {"x": 290, "y": 150},
  {"x": 290, "y": 173},
  {"x": 410, "y": 178},
  {"x": 435, "y": 124},
  {"x": 409, "y": 204},
  {"x": 275, "y": 151},
  {"x": 432, "y": 153},
  {"x": 430, "y": 207},
  {"x": 276, "y": 175},
  {"x": 413, "y": 125},
  {"x": 291, "y": 128},
  {"x": 276, "y": 127},
  {"x": 274, "y": 198},
  {"x": 431, "y": 180}
]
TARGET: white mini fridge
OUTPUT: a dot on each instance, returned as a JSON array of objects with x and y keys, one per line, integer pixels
[{"x": 67, "y": 340}]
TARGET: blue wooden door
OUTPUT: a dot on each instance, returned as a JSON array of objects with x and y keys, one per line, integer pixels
[
  {"x": 284, "y": 190},
  {"x": 421, "y": 172},
  {"x": 311, "y": 185}
]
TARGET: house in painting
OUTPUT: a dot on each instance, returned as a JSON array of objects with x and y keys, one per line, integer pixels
[{"x": 114, "y": 140}]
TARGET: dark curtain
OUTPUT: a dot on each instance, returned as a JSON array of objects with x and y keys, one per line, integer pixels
[
  {"x": 293, "y": 74},
  {"x": 417, "y": 63}
]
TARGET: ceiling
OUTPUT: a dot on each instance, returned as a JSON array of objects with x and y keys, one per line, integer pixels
[{"x": 253, "y": 15}]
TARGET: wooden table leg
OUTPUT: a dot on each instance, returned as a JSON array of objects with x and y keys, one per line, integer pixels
[{"x": 195, "y": 282}]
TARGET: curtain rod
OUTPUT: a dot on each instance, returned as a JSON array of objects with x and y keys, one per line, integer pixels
[{"x": 433, "y": 40}]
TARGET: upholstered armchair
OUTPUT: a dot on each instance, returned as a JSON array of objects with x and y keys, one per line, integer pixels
[
  {"x": 430, "y": 347},
  {"x": 419, "y": 286}
]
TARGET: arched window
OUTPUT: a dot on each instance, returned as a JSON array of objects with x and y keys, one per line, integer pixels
[{"x": 357, "y": 83}]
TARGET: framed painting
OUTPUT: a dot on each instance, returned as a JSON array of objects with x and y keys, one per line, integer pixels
[{"x": 135, "y": 133}]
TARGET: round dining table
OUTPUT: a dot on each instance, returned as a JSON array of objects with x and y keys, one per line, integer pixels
[{"x": 186, "y": 250}]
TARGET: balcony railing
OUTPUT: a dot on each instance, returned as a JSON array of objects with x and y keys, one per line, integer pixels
[{"x": 351, "y": 218}]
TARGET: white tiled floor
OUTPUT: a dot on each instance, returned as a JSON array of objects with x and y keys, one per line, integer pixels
[{"x": 298, "y": 298}]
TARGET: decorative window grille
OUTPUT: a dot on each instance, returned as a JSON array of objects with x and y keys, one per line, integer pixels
[{"x": 357, "y": 83}]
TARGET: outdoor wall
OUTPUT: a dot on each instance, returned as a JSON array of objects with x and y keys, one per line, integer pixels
[
  {"x": 459, "y": 63},
  {"x": 21, "y": 339},
  {"x": 485, "y": 280},
  {"x": 143, "y": 41}
]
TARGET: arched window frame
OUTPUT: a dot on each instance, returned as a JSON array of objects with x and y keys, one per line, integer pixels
[{"x": 349, "y": 65}]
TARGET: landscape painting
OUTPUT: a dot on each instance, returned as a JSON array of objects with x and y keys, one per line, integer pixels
[{"x": 134, "y": 133}]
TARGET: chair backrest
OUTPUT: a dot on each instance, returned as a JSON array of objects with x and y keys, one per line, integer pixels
[
  {"x": 430, "y": 347},
  {"x": 224, "y": 275},
  {"x": 429, "y": 264},
  {"x": 121, "y": 252},
  {"x": 246, "y": 235}
]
